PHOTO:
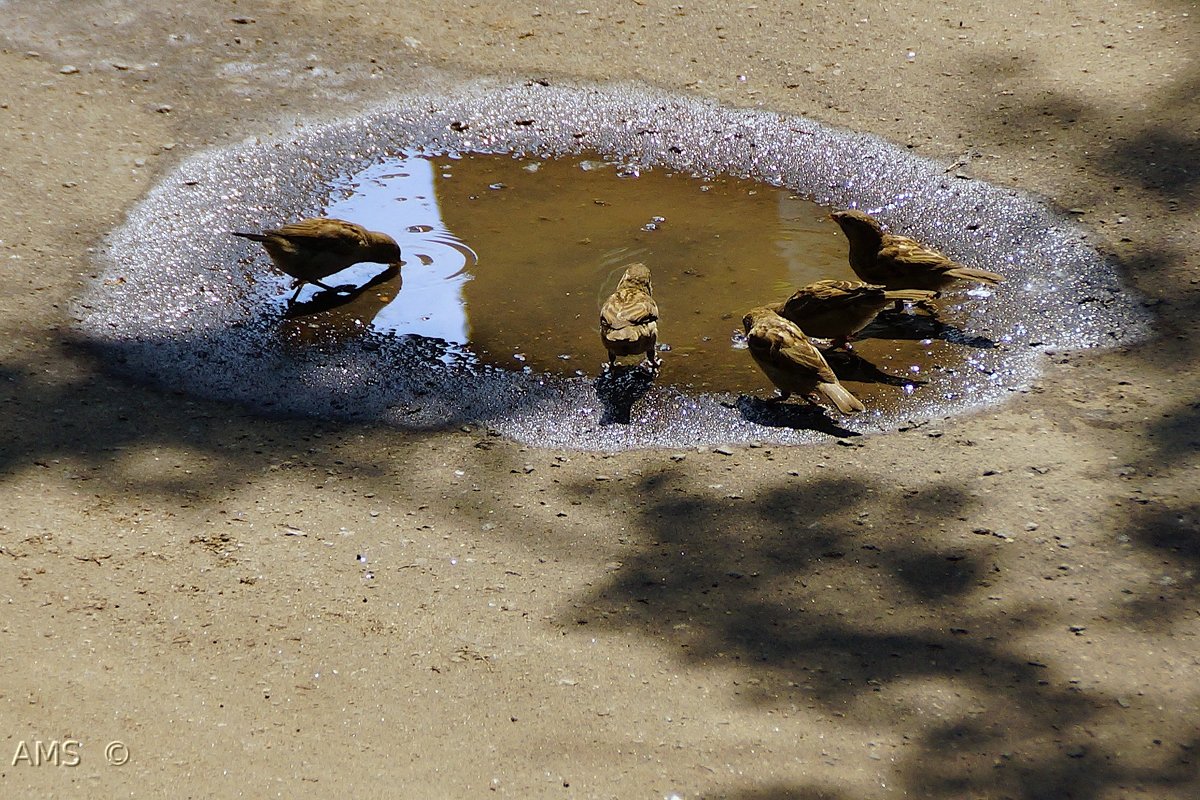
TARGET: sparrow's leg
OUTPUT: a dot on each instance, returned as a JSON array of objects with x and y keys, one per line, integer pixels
[
  {"x": 651, "y": 352},
  {"x": 928, "y": 305}
]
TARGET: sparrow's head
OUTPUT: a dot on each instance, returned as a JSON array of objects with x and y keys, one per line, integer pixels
[
  {"x": 637, "y": 274},
  {"x": 756, "y": 315},
  {"x": 384, "y": 249},
  {"x": 855, "y": 223}
]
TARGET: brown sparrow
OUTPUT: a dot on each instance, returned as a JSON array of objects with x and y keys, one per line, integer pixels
[
  {"x": 629, "y": 317},
  {"x": 792, "y": 362},
  {"x": 837, "y": 310},
  {"x": 898, "y": 262},
  {"x": 311, "y": 249}
]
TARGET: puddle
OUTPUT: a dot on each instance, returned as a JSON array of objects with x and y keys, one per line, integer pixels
[
  {"x": 509, "y": 259},
  {"x": 517, "y": 208}
]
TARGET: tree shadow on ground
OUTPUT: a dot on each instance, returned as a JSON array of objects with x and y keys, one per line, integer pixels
[
  {"x": 98, "y": 425},
  {"x": 835, "y": 595},
  {"x": 1158, "y": 158},
  {"x": 781, "y": 791},
  {"x": 1171, "y": 533}
]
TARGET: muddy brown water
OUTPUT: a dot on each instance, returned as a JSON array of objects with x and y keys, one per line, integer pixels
[{"x": 509, "y": 259}]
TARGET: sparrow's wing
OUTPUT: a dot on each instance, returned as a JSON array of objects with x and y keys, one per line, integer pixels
[
  {"x": 832, "y": 287},
  {"x": 628, "y": 307},
  {"x": 788, "y": 349},
  {"x": 900, "y": 254},
  {"x": 830, "y": 296},
  {"x": 331, "y": 235}
]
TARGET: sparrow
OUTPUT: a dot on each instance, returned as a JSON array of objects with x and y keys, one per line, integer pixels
[
  {"x": 629, "y": 317},
  {"x": 837, "y": 310},
  {"x": 792, "y": 362},
  {"x": 898, "y": 262},
  {"x": 312, "y": 249}
]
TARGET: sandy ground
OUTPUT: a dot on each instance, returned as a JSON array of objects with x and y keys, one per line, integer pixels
[{"x": 1002, "y": 606}]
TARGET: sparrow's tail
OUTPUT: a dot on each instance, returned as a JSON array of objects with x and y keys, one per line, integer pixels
[
  {"x": 837, "y": 394},
  {"x": 912, "y": 295},
  {"x": 255, "y": 237},
  {"x": 980, "y": 275}
]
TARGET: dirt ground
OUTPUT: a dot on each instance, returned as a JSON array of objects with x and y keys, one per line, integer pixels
[{"x": 1000, "y": 606}]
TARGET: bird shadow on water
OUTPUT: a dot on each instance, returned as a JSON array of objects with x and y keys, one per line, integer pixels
[
  {"x": 618, "y": 389},
  {"x": 329, "y": 299},
  {"x": 850, "y": 366},
  {"x": 893, "y": 325},
  {"x": 798, "y": 416}
]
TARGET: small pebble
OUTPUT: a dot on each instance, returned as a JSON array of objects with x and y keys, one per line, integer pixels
[{"x": 69, "y": 70}]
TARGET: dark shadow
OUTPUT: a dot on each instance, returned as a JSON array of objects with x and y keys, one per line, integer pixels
[
  {"x": 1173, "y": 436},
  {"x": 1171, "y": 169},
  {"x": 96, "y": 421},
  {"x": 798, "y": 416},
  {"x": 781, "y": 791},
  {"x": 851, "y": 366},
  {"x": 1172, "y": 534},
  {"x": 938, "y": 501},
  {"x": 618, "y": 388},
  {"x": 892, "y": 325},
  {"x": 842, "y": 596},
  {"x": 933, "y": 578},
  {"x": 329, "y": 299},
  {"x": 419, "y": 383}
]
